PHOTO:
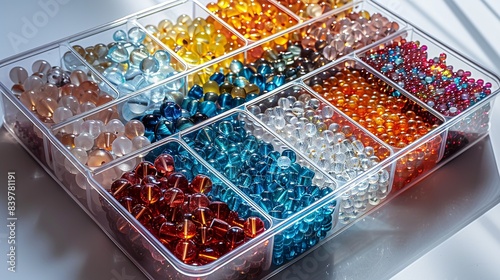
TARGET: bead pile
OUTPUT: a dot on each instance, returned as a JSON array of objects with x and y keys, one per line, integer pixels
[
  {"x": 342, "y": 34},
  {"x": 306, "y": 9},
  {"x": 431, "y": 80},
  {"x": 197, "y": 40},
  {"x": 131, "y": 62},
  {"x": 281, "y": 183},
  {"x": 54, "y": 95},
  {"x": 254, "y": 19},
  {"x": 181, "y": 210},
  {"x": 331, "y": 142},
  {"x": 385, "y": 112}
]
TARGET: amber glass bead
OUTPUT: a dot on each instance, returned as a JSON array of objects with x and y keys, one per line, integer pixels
[{"x": 310, "y": 9}]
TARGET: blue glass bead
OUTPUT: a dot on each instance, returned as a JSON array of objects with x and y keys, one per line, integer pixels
[
  {"x": 220, "y": 143},
  {"x": 183, "y": 123},
  {"x": 120, "y": 36},
  {"x": 163, "y": 58},
  {"x": 234, "y": 159},
  {"x": 235, "y": 66},
  {"x": 290, "y": 154},
  {"x": 115, "y": 76},
  {"x": 225, "y": 100},
  {"x": 230, "y": 78},
  {"x": 284, "y": 162},
  {"x": 251, "y": 96},
  {"x": 136, "y": 35},
  {"x": 258, "y": 80},
  {"x": 225, "y": 128},
  {"x": 176, "y": 84},
  {"x": 210, "y": 96},
  {"x": 195, "y": 92},
  {"x": 150, "y": 135},
  {"x": 149, "y": 65},
  {"x": 205, "y": 136},
  {"x": 233, "y": 146},
  {"x": 279, "y": 80},
  {"x": 278, "y": 215},
  {"x": 241, "y": 82},
  {"x": 118, "y": 53},
  {"x": 266, "y": 204},
  {"x": 231, "y": 172},
  {"x": 264, "y": 69},
  {"x": 270, "y": 87},
  {"x": 250, "y": 144},
  {"x": 150, "y": 121},
  {"x": 265, "y": 148},
  {"x": 207, "y": 108},
  {"x": 163, "y": 129},
  {"x": 198, "y": 117},
  {"x": 192, "y": 106},
  {"x": 244, "y": 180},
  {"x": 246, "y": 72},
  {"x": 170, "y": 110},
  {"x": 217, "y": 77},
  {"x": 237, "y": 101}
]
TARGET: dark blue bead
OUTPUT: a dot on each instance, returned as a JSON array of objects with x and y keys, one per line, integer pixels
[
  {"x": 207, "y": 108},
  {"x": 186, "y": 101},
  {"x": 198, "y": 117},
  {"x": 150, "y": 121},
  {"x": 150, "y": 135},
  {"x": 195, "y": 92},
  {"x": 217, "y": 77},
  {"x": 270, "y": 87},
  {"x": 230, "y": 78},
  {"x": 258, "y": 80},
  {"x": 170, "y": 110}
]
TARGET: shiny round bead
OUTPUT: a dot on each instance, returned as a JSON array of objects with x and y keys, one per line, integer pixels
[
  {"x": 122, "y": 146},
  {"x": 165, "y": 164},
  {"x": 85, "y": 141},
  {"x": 150, "y": 193},
  {"x": 186, "y": 250},
  {"x": 98, "y": 158},
  {"x": 202, "y": 216},
  {"x": 174, "y": 197},
  {"x": 105, "y": 140},
  {"x": 61, "y": 114},
  {"x": 134, "y": 128},
  {"x": 144, "y": 169},
  {"x": 253, "y": 226},
  {"x": 201, "y": 184}
]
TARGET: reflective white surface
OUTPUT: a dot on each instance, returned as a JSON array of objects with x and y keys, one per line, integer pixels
[{"x": 445, "y": 227}]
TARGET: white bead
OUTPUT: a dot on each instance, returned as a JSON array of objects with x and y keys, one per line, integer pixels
[
  {"x": 139, "y": 142},
  {"x": 121, "y": 146},
  {"x": 93, "y": 127},
  {"x": 61, "y": 114},
  {"x": 115, "y": 126},
  {"x": 70, "y": 102},
  {"x": 85, "y": 141}
]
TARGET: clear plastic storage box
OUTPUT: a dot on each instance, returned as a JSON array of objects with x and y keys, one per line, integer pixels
[{"x": 234, "y": 160}]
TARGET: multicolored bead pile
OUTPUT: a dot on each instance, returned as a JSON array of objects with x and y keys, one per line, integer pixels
[
  {"x": 181, "y": 209},
  {"x": 432, "y": 80}
]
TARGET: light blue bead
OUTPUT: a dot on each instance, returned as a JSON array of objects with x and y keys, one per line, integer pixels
[
  {"x": 120, "y": 36},
  {"x": 114, "y": 75},
  {"x": 118, "y": 53},
  {"x": 149, "y": 65},
  {"x": 136, "y": 35},
  {"x": 235, "y": 66},
  {"x": 207, "y": 108}
]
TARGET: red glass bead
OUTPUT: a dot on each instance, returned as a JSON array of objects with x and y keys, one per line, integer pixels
[
  {"x": 253, "y": 226},
  {"x": 134, "y": 191},
  {"x": 203, "y": 216},
  {"x": 186, "y": 250},
  {"x": 178, "y": 180},
  {"x": 219, "y": 227},
  {"x": 235, "y": 236},
  {"x": 204, "y": 235},
  {"x": 186, "y": 229},
  {"x": 165, "y": 164},
  {"x": 118, "y": 188},
  {"x": 234, "y": 220},
  {"x": 128, "y": 203},
  {"x": 150, "y": 179},
  {"x": 207, "y": 255},
  {"x": 174, "y": 197},
  {"x": 174, "y": 214},
  {"x": 157, "y": 222},
  {"x": 198, "y": 200},
  {"x": 150, "y": 193},
  {"x": 141, "y": 213},
  {"x": 162, "y": 183},
  {"x": 131, "y": 177},
  {"x": 220, "y": 209},
  {"x": 201, "y": 184},
  {"x": 145, "y": 168},
  {"x": 168, "y": 230},
  {"x": 220, "y": 247}
]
